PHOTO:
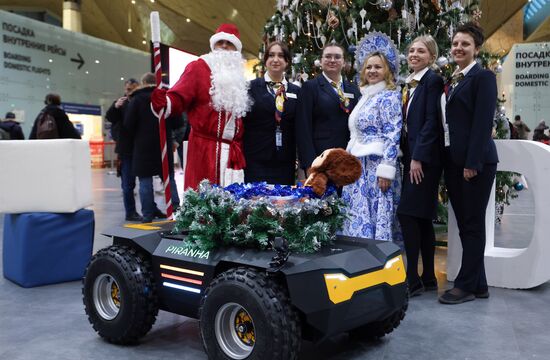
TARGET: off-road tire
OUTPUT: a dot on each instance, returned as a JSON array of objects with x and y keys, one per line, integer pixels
[
  {"x": 136, "y": 297},
  {"x": 381, "y": 328},
  {"x": 276, "y": 325}
]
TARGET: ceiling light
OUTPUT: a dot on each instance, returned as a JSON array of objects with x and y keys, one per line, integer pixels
[
  {"x": 129, "y": 29},
  {"x": 144, "y": 42},
  {"x": 188, "y": 20},
  {"x": 121, "y": 78},
  {"x": 97, "y": 61}
]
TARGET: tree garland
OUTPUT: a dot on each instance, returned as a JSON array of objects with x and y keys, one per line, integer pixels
[
  {"x": 307, "y": 25},
  {"x": 215, "y": 217}
]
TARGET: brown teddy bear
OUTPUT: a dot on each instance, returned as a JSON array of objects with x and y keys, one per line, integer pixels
[{"x": 335, "y": 165}]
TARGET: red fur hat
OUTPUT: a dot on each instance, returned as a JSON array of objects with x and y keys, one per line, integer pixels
[{"x": 228, "y": 32}]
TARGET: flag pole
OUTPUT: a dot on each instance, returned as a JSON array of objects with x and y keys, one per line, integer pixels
[{"x": 155, "y": 38}]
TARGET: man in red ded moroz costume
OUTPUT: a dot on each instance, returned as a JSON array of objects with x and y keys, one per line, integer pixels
[{"x": 214, "y": 93}]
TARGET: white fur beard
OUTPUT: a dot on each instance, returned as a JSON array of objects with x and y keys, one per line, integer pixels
[{"x": 229, "y": 90}]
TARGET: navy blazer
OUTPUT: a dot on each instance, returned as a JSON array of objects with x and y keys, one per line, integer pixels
[
  {"x": 423, "y": 120},
  {"x": 320, "y": 122},
  {"x": 470, "y": 111},
  {"x": 260, "y": 125}
]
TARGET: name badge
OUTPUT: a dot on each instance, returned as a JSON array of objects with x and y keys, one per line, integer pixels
[
  {"x": 278, "y": 138},
  {"x": 349, "y": 96},
  {"x": 291, "y": 96},
  {"x": 446, "y": 135}
]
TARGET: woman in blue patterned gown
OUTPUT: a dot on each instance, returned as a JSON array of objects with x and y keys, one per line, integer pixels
[{"x": 375, "y": 128}]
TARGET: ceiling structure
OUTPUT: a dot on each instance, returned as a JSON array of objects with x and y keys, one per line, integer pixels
[
  {"x": 189, "y": 24},
  {"x": 184, "y": 24}
]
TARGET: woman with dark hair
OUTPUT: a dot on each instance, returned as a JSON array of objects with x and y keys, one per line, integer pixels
[
  {"x": 470, "y": 158},
  {"x": 420, "y": 143},
  {"x": 61, "y": 127},
  {"x": 269, "y": 142}
]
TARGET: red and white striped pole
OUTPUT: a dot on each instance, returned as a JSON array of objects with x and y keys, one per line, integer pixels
[{"x": 155, "y": 37}]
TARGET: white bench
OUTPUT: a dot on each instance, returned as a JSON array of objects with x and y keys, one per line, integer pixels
[{"x": 45, "y": 176}]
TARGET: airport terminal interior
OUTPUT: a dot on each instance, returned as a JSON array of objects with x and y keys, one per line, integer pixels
[{"x": 55, "y": 194}]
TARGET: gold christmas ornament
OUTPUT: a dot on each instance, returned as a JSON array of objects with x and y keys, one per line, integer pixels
[{"x": 332, "y": 20}]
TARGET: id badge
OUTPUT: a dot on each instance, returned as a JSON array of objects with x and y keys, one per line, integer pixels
[
  {"x": 278, "y": 137},
  {"x": 446, "y": 135}
]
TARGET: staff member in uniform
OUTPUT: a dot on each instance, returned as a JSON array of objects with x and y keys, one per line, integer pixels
[
  {"x": 324, "y": 107},
  {"x": 470, "y": 158},
  {"x": 269, "y": 141},
  {"x": 420, "y": 143}
]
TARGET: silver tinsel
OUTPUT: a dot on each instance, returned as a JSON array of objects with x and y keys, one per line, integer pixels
[{"x": 386, "y": 5}]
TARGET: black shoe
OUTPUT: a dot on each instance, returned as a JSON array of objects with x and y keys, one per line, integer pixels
[
  {"x": 452, "y": 299},
  {"x": 146, "y": 220},
  {"x": 159, "y": 214},
  {"x": 479, "y": 295},
  {"x": 416, "y": 289},
  {"x": 430, "y": 285},
  {"x": 482, "y": 295},
  {"x": 134, "y": 217}
]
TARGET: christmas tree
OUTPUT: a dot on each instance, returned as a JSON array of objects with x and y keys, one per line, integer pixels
[{"x": 307, "y": 25}]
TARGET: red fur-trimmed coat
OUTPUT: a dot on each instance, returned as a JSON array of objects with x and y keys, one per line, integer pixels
[{"x": 191, "y": 94}]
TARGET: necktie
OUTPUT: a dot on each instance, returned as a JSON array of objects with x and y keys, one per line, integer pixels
[
  {"x": 406, "y": 92},
  {"x": 406, "y": 98},
  {"x": 344, "y": 101},
  {"x": 280, "y": 97},
  {"x": 453, "y": 83},
  {"x": 278, "y": 91}
]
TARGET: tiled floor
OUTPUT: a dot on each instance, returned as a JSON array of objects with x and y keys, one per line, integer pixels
[{"x": 49, "y": 322}]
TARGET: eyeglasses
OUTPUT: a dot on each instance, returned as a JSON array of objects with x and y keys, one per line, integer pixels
[{"x": 332, "y": 57}]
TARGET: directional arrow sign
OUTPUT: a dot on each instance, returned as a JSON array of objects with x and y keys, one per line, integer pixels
[{"x": 80, "y": 60}]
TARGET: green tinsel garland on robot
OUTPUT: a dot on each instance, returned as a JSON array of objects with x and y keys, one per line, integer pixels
[{"x": 213, "y": 218}]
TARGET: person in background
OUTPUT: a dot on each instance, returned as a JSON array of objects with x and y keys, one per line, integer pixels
[
  {"x": 470, "y": 159},
  {"x": 522, "y": 128},
  {"x": 143, "y": 126},
  {"x": 180, "y": 135},
  {"x": 269, "y": 139},
  {"x": 124, "y": 149},
  {"x": 323, "y": 108},
  {"x": 421, "y": 146},
  {"x": 65, "y": 128},
  {"x": 375, "y": 127},
  {"x": 538, "y": 133},
  {"x": 12, "y": 127}
]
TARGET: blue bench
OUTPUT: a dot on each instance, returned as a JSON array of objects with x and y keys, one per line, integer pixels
[{"x": 47, "y": 248}]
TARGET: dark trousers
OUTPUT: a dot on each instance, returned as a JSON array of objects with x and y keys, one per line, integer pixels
[
  {"x": 147, "y": 196},
  {"x": 419, "y": 238},
  {"x": 469, "y": 200},
  {"x": 128, "y": 183}
]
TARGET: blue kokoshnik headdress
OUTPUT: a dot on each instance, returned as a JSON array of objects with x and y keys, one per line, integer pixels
[{"x": 377, "y": 41}]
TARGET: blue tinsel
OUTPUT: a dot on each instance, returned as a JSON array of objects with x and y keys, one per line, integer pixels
[{"x": 250, "y": 190}]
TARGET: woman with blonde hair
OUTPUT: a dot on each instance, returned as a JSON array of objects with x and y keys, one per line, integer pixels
[
  {"x": 375, "y": 127},
  {"x": 421, "y": 146}
]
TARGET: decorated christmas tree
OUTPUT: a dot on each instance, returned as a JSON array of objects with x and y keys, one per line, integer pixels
[{"x": 307, "y": 25}]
